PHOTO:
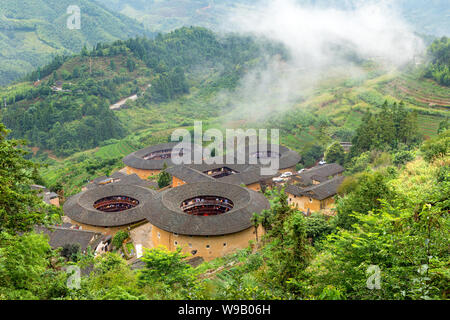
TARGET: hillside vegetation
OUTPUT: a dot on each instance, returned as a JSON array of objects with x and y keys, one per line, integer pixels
[
  {"x": 32, "y": 31},
  {"x": 192, "y": 74},
  {"x": 77, "y": 116},
  {"x": 391, "y": 223}
]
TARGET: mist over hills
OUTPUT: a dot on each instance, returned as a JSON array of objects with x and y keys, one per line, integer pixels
[
  {"x": 427, "y": 17},
  {"x": 32, "y": 31}
]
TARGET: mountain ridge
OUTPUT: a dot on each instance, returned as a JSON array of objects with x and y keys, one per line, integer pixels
[{"x": 32, "y": 32}]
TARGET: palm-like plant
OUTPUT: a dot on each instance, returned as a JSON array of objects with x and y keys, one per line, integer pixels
[{"x": 256, "y": 220}]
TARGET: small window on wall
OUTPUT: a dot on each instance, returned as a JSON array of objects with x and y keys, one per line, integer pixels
[
  {"x": 190, "y": 245},
  {"x": 310, "y": 199},
  {"x": 159, "y": 235},
  {"x": 194, "y": 252},
  {"x": 224, "y": 244},
  {"x": 175, "y": 234},
  {"x": 207, "y": 246},
  {"x": 176, "y": 243}
]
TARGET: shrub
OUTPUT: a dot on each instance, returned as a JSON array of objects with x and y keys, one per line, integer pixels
[
  {"x": 403, "y": 157},
  {"x": 437, "y": 147},
  {"x": 119, "y": 238}
]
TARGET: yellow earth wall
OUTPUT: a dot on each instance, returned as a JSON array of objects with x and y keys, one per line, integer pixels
[
  {"x": 176, "y": 182},
  {"x": 304, "y": 203},
  {"x": 255, "y": 186},
  {"x": 109, "y": 231},
  {"x": 218, "y": 245},
  {"x": 143, "y": 174}
]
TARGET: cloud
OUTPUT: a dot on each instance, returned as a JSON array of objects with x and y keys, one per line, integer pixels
[
  {"x": 318, "y": 38},
  {"x": 372, "y": 29}
]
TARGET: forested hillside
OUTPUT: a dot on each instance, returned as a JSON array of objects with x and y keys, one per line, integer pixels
[
  {"x": 32, "y": 31},
  {"x": 76, "y": 115}
]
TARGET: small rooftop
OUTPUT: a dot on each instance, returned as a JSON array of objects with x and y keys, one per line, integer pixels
[
  {"x": 120, "y": 178},
  {"x": 321, "y": 191},
  {"x": 228, "y": 173},
  {"x": 60, "y": 236},
  {"x": 320, "y": 173}
]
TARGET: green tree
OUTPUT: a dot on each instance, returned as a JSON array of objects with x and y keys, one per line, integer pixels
[
  {"x": 20, "y": 208},
  {"x": 164, "y": 178},
  {"x": 25, "y": 271},
  {"x": 256, "y": 221},
  {"x": 335, "y": 154},
  {"x": 111, "y": 279},
  {"x": 363, "y": 197},
  {"x": 119, "y": 238},
  {"x": 168, "y": 271},
  {"x": 437, "y": 147},
  {"x": 312, "y": 155},
  {"x": 408, "y": 248}
]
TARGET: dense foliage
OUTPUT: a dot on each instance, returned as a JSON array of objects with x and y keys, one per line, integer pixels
[
  {"x": 392, "y": 127},
  {"x": 20, "y": 208},
  {"x": 439, "y": 67}
]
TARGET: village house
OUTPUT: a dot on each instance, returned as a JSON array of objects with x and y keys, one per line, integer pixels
[
  {"x": 59, "y": 237},
  {"x": 47, "y": 196},
  {"x": 314, "y": 190}
]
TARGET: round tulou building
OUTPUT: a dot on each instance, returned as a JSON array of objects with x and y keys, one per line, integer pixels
[
  {"x": 287, "y": 158},
  {"x": 150, "y": 161},
  {"x": 206, "y": 219},
  {"x": 108, "y": 208}
]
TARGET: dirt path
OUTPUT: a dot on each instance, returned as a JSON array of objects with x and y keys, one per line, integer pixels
[{"x": 120, "y": 103}]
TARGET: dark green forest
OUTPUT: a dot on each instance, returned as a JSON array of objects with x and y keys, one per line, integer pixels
[{"x": 439, "y": 68}]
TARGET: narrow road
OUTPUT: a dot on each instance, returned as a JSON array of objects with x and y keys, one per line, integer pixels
[{"x": 120, "y": 103}]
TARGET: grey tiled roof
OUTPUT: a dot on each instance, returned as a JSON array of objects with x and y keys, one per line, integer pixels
[
  {"x": 320, "y": 173},
  {"x": 288, "y": 158},
  {"x": 136, "y": 159},
  {"x": 188, "y": 174},
  {"x": 165, "y": 212},
  {"x": 44, "y": 193},
  {"x": 80, "y": 206},
  {"x": 61, "y": 236},
  {"x": 245, "y": 174},
  {"x": 132, "y": 179},
  {"x": 321, "y": 191}
]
